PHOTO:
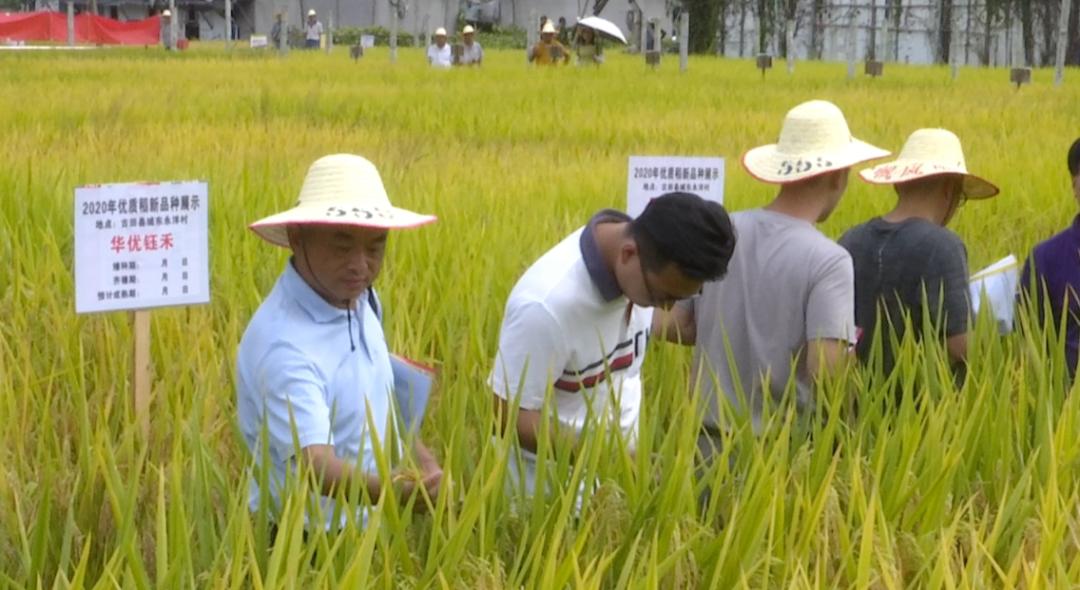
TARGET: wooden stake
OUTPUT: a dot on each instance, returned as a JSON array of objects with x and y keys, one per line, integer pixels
[
  {"x": 140, "y": 368},
  {"x": 684, "y": 40}
]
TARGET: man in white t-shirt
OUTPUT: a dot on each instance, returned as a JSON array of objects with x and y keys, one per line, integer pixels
[
  {"x": 786, "y": 310},
  {"x": 313, "y": 34},
  {"x": 576, "y": 323},
  {"x": 439, "y": 54}
]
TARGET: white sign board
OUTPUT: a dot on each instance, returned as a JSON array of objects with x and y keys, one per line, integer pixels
[
  {"x": 996, "y": 286},
  {"x": 651, "y": 176},
  {"x": 141, "y": 245},
  {"x": 367, "y": 41},
  {"x": 259, "y": 41}
]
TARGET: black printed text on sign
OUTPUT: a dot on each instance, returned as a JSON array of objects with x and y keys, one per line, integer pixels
[
  {"x": 652, "y": 176},
  {"x": 141, "y": 245}
]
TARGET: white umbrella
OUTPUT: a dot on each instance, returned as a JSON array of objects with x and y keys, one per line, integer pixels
[{"x": 603, "y": 26}]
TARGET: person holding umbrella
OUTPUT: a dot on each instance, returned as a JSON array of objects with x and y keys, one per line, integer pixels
[
  {"x": 587, "y": 42},
  {"x": 587, "y": 46}
]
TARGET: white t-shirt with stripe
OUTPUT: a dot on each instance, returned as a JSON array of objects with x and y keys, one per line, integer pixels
[{"x": 567, "y": 329}]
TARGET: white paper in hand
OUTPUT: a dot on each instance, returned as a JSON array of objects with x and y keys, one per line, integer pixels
[
  {"x": 996, "y": 286},
  {"x": 412, "y": 388}
]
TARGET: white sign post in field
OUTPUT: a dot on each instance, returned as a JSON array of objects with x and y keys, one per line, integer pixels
[
  {"x": 139, "y": 246},
  {"x": 649, "y": 177}
]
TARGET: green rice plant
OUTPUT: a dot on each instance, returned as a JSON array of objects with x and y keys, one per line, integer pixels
[{"x": 967, "y": 486}]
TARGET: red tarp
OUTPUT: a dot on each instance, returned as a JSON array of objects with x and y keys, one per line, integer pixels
[{"x": 89, "y": 28}]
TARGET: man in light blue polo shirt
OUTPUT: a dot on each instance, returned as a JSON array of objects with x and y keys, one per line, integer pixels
[{"x": 314, "y": 380}]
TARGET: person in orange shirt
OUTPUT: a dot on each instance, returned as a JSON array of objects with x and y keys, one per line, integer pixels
[{"x": 548, "y": 51}]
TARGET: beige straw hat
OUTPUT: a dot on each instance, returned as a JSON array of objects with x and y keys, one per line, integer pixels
[
  {"x": 311, "y": 12},
  {"x": 548, "y": 28},
  {"x": 440, "y": 32},
  {"x": 929, "y": 152},
  {"x": 166, "y": 12},
  {"x": 814, "y": 139},
  {"x": 341, "y": 189}
]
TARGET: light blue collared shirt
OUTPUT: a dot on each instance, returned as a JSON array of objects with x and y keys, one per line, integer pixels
[{"x": 302, "y": 354}]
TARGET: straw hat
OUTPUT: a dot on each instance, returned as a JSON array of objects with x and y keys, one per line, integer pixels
[
  {"x": 930, "y": 152},
  {"x": 815, "y": 139},
  {"x": 166, "y": 12},
  {"x": 468, "y": 30},
  {"x": 440, "y": 32},
  {"x": 311, "y": 12},
  {"x": 341, "y": 189},
  {"x": 548, "y": 28}
]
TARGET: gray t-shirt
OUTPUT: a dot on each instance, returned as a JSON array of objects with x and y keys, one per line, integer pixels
[
  {"x": 899, "y": 268},
  {"x": 786, "y": 284}
]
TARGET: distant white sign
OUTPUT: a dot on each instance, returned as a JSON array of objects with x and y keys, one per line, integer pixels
[
  {"x": 141, "y": 245},
  {"x": 259, "y": 41},
  {"x": 651, "y": 176},
  {"x": 367, "y": 41}
]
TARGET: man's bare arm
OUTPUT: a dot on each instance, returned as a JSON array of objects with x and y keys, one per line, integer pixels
[{"x": 335, "y": 474}]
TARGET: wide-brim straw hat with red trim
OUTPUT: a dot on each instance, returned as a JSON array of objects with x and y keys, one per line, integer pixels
[
  {"x": 814, "y": 139},
  {"x": 340, "y": 189},
  {"x": 930, "y": 152}
]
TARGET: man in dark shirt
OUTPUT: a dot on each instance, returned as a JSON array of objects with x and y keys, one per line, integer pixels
[
  {"x": 1052, "y": 273},
  {"x": 907, "y": 265}
]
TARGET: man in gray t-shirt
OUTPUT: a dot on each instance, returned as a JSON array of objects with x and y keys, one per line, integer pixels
[
  {"x": 907, "y": 265},
  {"x": 787, "y": 286},
  {"x": 784, "y": 313}
]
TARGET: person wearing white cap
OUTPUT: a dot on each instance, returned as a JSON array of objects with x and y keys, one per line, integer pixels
[
  {"x": 168, "y": 40},
  {"x": 576, "y": 324},
  {"x": 438, "y": 53},
  {"x": 472, "y": 54},
  {"x": 314, "y": 32},
  {"x": 548, "y": 51},
  {"x": 313, "y": 375},
  {"x": 784, "y": 316},
  {"x": 908, "y": 266}
]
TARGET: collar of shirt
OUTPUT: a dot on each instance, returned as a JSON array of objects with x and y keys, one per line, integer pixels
[
  {"x": 311, "y": 302},
  {"x": 602, "y": 275}
]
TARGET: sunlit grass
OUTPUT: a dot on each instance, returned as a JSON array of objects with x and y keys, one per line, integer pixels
[{"x": 969, "y": 488}]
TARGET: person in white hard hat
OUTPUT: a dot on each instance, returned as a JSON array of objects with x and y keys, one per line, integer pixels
[
  {"x": 548, "y": 51},
  {"x": 439, "y": 54},
  {"x": 314, "y": 378},
  {"x": 313, "y": 34},
  {"x": 168, "y": 40},
  {"x": 471, "y": 52},
  {"x": 784, "y": 317},
  {"x": 907, "y": 264}
]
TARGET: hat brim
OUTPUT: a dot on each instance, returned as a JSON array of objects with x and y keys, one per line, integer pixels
[
  {"x": 768, "y": 164},
  {"x": 975, "y": 187},
  {"x": 273, "y": 228}
]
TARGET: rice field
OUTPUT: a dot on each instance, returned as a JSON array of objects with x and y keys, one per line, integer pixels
[{"x": 971, "y": 488}]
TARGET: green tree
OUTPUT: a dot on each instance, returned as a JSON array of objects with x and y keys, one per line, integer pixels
[{"x": 704, "y": 23}]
